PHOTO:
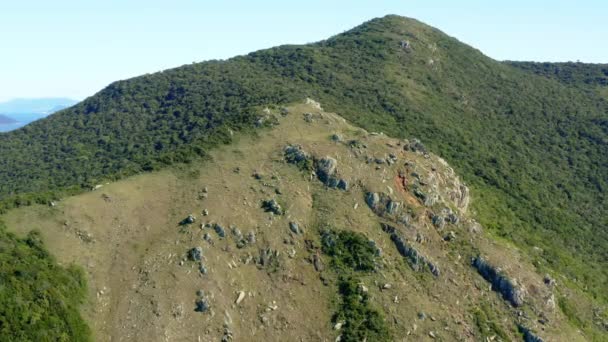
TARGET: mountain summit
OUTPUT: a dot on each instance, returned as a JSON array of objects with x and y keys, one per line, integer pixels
[{"x": 531, "y": 148}]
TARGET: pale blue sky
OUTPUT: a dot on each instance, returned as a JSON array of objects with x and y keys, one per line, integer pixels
[{"x": 76, "y": 47}]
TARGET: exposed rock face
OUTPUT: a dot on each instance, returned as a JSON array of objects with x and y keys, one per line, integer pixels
[
  {"x": 316, "y": 105},
  {"x": 382, "y": 204},
  {"x": 416, "y": 260},
  {"x": 500, "y": 283}
]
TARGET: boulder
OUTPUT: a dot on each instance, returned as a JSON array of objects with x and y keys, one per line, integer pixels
[
  {"x": 295, "y": 228},
  {"x": 326, "y": 167},
  {"x": 438, "y": 221},
  {"x": 203, "y": 269},
  {"x": 317, "y": 263},
  {"x": 188, "y": 220},
  {"x": 372, "y": 199},
  {"x": 195, "y": 254},
  {"x": 202, "y": 305},
  {"x": 452, "y": 218},
  {"x": 221, "y": 232},
  {"x": 251, "y": 237},
  {"x": 343, "y": 184}
]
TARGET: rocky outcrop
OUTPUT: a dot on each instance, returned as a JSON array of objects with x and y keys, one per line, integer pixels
[
  {"x": 382, "y": 204},
  {"x": 500, "y": 283},
  {"x": 294, "y": 154},
  {"x": 414, "y": 145},
  {"x": 415, "y": 259}
]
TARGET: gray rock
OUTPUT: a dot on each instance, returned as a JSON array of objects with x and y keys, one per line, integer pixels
[
  {"x": 326, "y": 167},
  {"x": 452, "y": 218},
  {"x": 392, "y": 207},
  {"x": 317, "y": 263},
  {"x": 203, "y": 269},
  {"x": 207, "y": 237},
  {"x": 438, "y": 221},
  {"x": 236, "y": 232},
  {"x": 529, "y": 336},
  {"x": 221, "y": 232},
  {"x": 332, "y": 182},
  {"x": 336, "y": 137},
  {"x": 343, "y": 184},
  {"x": 202, "y": 305},
  {"x": 251, "y": 237},
  {"x": 294, "y": 227},
  {"x": 188, "y": 220},
  {"x": 195, "y": 254},
  {"x": 372, "y": 199}
]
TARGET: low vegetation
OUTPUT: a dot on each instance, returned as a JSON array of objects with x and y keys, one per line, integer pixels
[
  {"x": 39, "y": 300},
  {"x": 351, "y": 256}
]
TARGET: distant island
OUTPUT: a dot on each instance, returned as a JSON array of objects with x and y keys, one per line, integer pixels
[
  {"x": 5, "y": 120},
  {"x": 17, "y": 113}
]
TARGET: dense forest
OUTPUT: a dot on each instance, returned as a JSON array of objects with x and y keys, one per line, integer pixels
[{"x": 530, "y": 138}]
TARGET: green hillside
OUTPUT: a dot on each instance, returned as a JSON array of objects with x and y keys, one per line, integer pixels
[{"x": 533, "y": 148}]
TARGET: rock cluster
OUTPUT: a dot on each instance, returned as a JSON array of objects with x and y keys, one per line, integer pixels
[
  {"x": 382, "y": 204},
  {"x": 272, "y": 206}
]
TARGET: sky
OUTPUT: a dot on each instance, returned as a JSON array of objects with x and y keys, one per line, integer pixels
[{"x": 74, "y": 48}]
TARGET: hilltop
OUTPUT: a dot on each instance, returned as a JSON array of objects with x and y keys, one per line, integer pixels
[
  {"x": 531, "y": 148},
  {"x": 278, "y": 228}
]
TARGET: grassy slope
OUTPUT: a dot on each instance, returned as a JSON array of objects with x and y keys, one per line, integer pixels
[{"x": 533, "y": 149}]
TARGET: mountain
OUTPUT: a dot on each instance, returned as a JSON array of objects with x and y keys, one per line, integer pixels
[
  {"x": 531, "y": 146},
  {"x": 5, "y": 120}
]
